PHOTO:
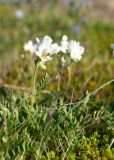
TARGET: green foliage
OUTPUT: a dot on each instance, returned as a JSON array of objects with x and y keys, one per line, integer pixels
[
  {"x": 72, "y": 131},
  {"x": 42, "y": 84}
]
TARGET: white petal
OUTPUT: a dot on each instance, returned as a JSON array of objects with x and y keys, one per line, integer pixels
[
  {"x": 48, "y": 58},
  {"x": 63, "y": 61},
  {"x": 29, "y": 46},
  {"x": 39, "y": 54},
  {"x": 64, "y": 38},
  {"x": 54, "y": 49},
  {"x": 62, "y": 49},
  {"x": 37, "y": 40},
  {"x": 76, "y": 50},
  {"x": 64, "y": 46},
  {"x": 47, "y": 40}
]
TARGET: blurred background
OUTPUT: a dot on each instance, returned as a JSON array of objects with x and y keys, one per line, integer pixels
[{"x": 88, "y": 21}]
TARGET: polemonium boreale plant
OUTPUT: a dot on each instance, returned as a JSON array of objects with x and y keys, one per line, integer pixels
[{"x": 45, "y": 49}]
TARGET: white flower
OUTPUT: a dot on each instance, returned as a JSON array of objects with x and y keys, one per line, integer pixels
[
  {"x": 76, "y": 50},
  {"x": 64, "y": 44},
  {"x": 44, "y": 46},
  {"x": 64, "y": 38},
  {"x": 43, "y": 56},
  {"x": 45, "y": 49},
  {"x": 38, "y": 40},
  {"x": 47, "y": 46},
  {"x": 54, "y": 48},
  {"x": 30, "y": 47}
]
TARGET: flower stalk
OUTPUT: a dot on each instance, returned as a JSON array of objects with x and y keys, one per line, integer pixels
[
  {"x": 69, "y": 76},
  {"x": 34, "y": 79},
  {"x": 59, "y": 82},
  {"x": 34, "y": 89}
]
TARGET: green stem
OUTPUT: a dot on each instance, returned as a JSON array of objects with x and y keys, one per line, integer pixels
[
  {"x": 59, "y": 75},
  {"x": 34, "y": 79},
  {"x": 34, "y": 89},
  {"x": 59, "y": 81},
  {"x": 69, "y": 76}
]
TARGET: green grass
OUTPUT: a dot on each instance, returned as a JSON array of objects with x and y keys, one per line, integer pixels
[
  {"x": 53, "y": 128},
  {"x": 75, "y": 125}
]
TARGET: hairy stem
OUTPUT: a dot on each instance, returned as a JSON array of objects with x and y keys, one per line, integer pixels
[
  {"x": 69, "y": 76},
  {"x": 59, "y": 82},
  {"x": 34, "y": 79}
]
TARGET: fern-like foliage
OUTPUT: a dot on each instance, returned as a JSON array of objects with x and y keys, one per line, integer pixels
[{"x": 42, "y": 84}]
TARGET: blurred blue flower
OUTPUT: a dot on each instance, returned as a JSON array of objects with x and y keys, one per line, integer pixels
[
  {"x": 20, "y": 14},
  {"x": 112, "y": 45},
  {"x": 67, "y": 2},
  {"x": 76, "y": 29},
  {"x": 86, "y": 2},
  {"x": 15, "y": 1},
  {"x": 74, "y": 9}
]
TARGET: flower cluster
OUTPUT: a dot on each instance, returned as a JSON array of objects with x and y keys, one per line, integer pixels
[{"x": 45, "y": 48}]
